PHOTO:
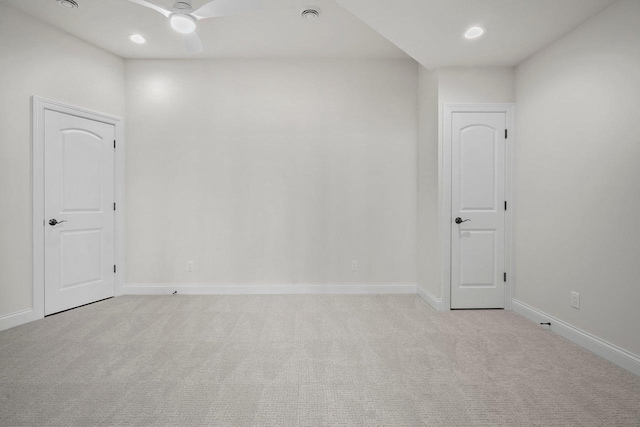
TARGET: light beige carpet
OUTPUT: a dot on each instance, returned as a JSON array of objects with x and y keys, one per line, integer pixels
[{"x": 302, "y": 360}]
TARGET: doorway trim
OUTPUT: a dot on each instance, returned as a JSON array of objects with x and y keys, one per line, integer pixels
[
  {"x": 445, "y": 195},
  {"x": 38, "y": 108}
]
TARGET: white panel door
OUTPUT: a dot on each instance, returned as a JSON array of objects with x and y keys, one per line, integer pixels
[
  {"x": 79, "y": 211},
  {"x": 478, "y": 209}
]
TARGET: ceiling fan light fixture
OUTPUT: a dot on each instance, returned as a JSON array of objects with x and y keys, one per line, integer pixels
[
  {"x": 68, "y": 4},
  {"x": 184, "y": 24}
]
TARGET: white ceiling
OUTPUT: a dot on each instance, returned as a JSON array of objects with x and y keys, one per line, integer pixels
[
  {"x": 276, "y": 31},
  {"x": 430, "y": 31}
]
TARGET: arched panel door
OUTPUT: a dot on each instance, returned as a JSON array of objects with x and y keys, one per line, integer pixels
[
  {"x": 79, "y": 237},
  {"x": 478, "y": 210}
]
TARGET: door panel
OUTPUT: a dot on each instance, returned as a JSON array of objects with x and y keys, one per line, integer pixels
[
  {"x": 79, "y": 194},
  {"x": 478, "y": 191},
  {"x": 81, "y": 171},
  {"x": 80, "y": 261},
  {"x": 477, "y": 258},
  {"x": 477, "y": 169}
]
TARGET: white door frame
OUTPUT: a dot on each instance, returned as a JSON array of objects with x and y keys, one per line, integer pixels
[
  {"x": 445, "y": 195},
  {"x": 39, "y": 106}
]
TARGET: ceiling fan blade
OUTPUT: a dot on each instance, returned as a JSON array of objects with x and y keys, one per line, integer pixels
[
  {"x": 193, "y": 43},
  {"x": 155, "y": 7},
  {"x": 216, "y": 8}
]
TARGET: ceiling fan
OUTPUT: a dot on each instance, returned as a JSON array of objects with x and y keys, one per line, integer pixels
[{"x": 183, "y": 18}]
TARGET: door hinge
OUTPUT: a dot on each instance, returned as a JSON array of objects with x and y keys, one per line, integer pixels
[
  {"x": 505, "y": 134},
  {"x": 505, "y": 277},
  {"x": 114, "y": 144},
  {"x": 114, "y": 206},
  {"x": 114, "y": 268},
  {"x": 505, "y": 205}
]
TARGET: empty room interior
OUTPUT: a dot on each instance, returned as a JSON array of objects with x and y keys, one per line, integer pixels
[{"x": 320, "y": 212}]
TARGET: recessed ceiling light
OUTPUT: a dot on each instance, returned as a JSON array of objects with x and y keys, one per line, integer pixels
[
  {"x": 137, "y": 38},
  {"x": 310, "y": 14},
  {"x": 184, "y": 24},
  {"x": 474, "y": 32},
  {"x": 68, "y": 4}
]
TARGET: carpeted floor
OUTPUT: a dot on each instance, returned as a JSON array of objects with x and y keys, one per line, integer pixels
[{"x": 302, "y": 360}]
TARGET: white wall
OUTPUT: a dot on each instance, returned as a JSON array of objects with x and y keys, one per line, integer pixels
[
  {"x": 271, "y": 171},
  {"x": 578, "y": 177},
  {"x": 476, "y": 85},
  {"x": 36, "y": 59},
  {"x": 428, "y": 265}
]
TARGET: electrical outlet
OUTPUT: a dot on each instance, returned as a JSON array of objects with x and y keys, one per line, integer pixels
[
  {"x": 189, "y": 265},
  {"x": 575, "y": 300},
  {"x": 354, "y": 265}
]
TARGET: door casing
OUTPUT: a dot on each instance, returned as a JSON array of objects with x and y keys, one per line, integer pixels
[
  {"x": 39, "y": 106},
  {"x": 445, "y": 188}
]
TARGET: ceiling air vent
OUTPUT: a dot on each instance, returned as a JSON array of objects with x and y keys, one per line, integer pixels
[
  {"x": 68, "y": 4},
  {"x": 310, "y": 14}
]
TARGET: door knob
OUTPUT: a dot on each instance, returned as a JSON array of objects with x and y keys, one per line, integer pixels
[
  {"x": 54, "y": 221},
  {"x": 460, "y": 220}
]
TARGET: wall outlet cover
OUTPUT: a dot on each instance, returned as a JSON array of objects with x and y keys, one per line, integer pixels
[{"x": 575, "y": 300}]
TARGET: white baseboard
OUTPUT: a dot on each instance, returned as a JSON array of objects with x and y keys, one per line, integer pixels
[
  {"x": 214, "y": 289},
  {"x": 434, "y": 302},
  {"x": 15, "y": 319},
  {"x": 602, "y": 348}
]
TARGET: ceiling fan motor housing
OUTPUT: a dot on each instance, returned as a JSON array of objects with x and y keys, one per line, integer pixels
[{"x": 182, "y": 5}]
